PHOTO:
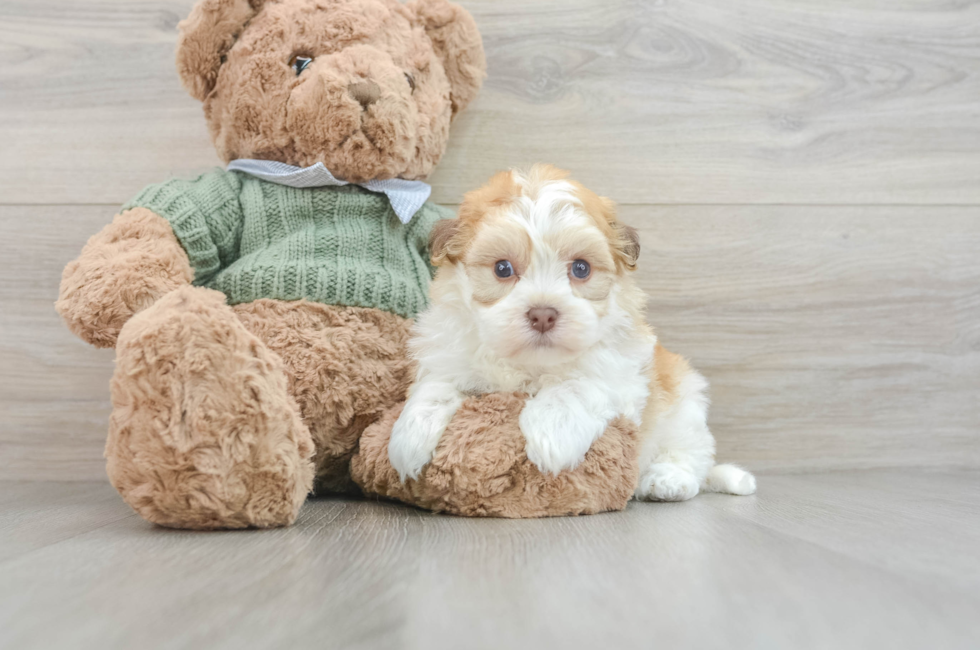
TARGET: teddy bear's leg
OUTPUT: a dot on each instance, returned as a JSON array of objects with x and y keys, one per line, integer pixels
[
  {"x": 346, "y": 366},
  {"x": 204, "y": 433}
]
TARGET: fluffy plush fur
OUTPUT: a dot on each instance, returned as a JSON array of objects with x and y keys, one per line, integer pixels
[
  {"x": 481, "y": 468},
  {"x": 217, "y": 409},
  {"x": 344, "y": 366},
  {"x": 416, "y": 65},
  {"x": 204, "y": 433},
  {"x": 224, "y": 415},
  {"x": 127, "y": 267},
  {"x": 514, "y": 254}
]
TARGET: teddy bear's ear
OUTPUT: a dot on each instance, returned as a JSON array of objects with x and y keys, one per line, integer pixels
[
  {"x": 205, "y": 36},
  {"x": 457, "y": 42}
]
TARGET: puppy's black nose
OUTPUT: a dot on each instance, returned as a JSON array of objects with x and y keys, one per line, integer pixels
[
  {"x": 365, "y": 92},
  {"x": 542, "y": 318}
]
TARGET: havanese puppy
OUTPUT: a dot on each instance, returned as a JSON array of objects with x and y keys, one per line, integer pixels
[{"x": 534, "y": 293}]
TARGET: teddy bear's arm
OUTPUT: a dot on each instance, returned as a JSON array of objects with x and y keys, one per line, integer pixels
[{"x": 122, "y": 270}]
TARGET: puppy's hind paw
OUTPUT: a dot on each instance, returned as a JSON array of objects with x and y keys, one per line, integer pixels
[{"x": 667, "y": 482}]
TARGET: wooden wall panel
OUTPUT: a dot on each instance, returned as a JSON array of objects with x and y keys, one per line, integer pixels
[
  {"x": 702, "y": 101},
  {"x": 804, "y": 176},
  {"x": 833, "y": 337}
]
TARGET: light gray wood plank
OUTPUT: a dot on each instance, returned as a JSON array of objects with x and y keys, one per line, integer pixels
[
  {"x": 54, "y": 389},
  {"x": 833, "y": 337},
  {"x": 897, "y": 520},
  {"x": 34, "y": 515},
  {"x": 793, "y": 566},
  {"x": 704, "y": 101}
]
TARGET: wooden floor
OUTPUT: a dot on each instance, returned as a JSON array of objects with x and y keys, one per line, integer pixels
[{"x": 868, "y": 559}]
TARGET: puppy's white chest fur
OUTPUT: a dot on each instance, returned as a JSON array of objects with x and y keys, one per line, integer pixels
[{"x": 622, "y": 373}]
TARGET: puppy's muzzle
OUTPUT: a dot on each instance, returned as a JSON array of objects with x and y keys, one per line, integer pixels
[{"x": 542, "y": 319}]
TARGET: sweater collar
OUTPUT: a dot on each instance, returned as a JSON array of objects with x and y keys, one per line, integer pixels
[{"x": 406, "y": 197}]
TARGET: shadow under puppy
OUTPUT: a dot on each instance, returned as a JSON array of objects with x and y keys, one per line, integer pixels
[{"x": 534, "y": 294}]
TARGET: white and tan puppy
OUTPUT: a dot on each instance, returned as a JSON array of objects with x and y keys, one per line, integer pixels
[{"x": 534, "y": 294}]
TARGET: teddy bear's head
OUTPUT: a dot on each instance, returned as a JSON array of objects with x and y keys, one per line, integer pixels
[{"x": 367, "y": 87}]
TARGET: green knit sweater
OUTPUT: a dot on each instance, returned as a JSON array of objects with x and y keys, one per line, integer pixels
[{"x": 252, "y": 239}]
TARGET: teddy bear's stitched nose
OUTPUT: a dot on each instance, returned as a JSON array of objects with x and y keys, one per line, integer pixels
[{"x": 365, "y": 92}]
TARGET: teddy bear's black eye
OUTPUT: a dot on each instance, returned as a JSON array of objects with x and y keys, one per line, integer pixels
[
  {"x": 411, "y": 81},
  {"x": 581, "y": 269},
  {"x": 300, "y": 63},
  {"x": 503, "y": 269}
]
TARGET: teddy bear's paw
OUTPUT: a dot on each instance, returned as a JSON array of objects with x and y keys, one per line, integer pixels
[
  {"x": 203, "y": 432},
  {"x": 124, "y": 269},
  {"x": 667, "y": 482}
]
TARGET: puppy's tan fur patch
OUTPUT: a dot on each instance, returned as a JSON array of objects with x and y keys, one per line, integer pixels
[
  {"x": 506, "y": 240},
  {"x": 451, "y": 239}
]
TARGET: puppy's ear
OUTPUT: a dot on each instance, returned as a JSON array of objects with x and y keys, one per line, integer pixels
[
  {"x": 205, "y": 37},
  {"x": 624, "y": 240},
  {"x": 457, "y": 42},
  {"x": 442, "y": 242},
  {"x": 627, "y": 246}
]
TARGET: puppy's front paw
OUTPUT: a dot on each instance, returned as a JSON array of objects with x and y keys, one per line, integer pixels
[
  {"x": 557, "y": 437},
  {"x": 411, "y": 447},
  {"x": 416, "y": 434}
]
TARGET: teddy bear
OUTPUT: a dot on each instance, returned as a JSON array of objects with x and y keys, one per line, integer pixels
[{"x": 260, "y": 312}]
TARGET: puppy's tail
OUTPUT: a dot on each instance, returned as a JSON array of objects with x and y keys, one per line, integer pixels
[{"x": 730, "y": 480}]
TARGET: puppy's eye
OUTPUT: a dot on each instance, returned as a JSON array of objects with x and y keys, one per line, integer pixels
[
  {"x": 503, "y": 269},
  {"x": 581, "y": 269},
  {"x": 411, "y": 81},
  {"x": 300, "y": 63}
]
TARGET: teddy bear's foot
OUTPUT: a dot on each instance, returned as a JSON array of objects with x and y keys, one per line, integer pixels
[{"x": 203, "y": 433}]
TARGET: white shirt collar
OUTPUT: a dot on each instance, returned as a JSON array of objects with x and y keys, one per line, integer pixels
[{"x": 406, "y": 197}]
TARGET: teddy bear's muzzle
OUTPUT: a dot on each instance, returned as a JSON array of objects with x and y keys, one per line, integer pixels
[{"x": 365, "y": 93}]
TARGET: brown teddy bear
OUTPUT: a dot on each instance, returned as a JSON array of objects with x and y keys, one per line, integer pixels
[{"x": 260, "y": 313}]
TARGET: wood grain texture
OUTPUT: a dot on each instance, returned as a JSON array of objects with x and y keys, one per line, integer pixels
[
  {"x": 833, "y": 337},
  {"x": 841, "y": 560},
  {"x": 35, "y": 515},
  {"x": 701, "y": 101}
]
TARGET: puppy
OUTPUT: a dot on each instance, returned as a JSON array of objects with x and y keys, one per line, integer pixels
[{"x": 534, "y": 293}]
